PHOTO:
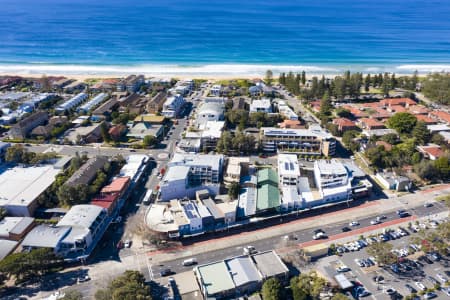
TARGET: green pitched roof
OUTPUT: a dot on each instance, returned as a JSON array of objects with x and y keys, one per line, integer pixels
[
  {"x": 268, "y": 197},
  {"x": 267, "y": 175}
]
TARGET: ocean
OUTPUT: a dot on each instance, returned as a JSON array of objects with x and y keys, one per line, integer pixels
[{"x": 218, "y": 37}]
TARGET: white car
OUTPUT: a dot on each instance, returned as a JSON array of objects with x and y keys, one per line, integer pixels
[
  {"x": 353, "y": 223},
  {"x": 420, "y": 285},
  {"x": 375, "y": 222},
  {"x": 441, "y": 277},
  {"x": 127, "y": 244}
]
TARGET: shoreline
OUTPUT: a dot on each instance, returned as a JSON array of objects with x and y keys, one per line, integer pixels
[{"x": 208, "y": 71}]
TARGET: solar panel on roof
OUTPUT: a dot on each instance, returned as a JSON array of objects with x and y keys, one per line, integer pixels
[
  {"x": 291, "y": 165},
  {"x": 286, "y": 166}
]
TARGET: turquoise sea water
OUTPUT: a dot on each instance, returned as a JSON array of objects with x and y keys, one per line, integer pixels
[{"x": 187, "y": 36}]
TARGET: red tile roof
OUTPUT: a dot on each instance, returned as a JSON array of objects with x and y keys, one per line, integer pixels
[
  {"x": 442, "y": 115},
  {"x": 344, "y": 122},
  {"x": 425, "y": 119},
  {"x": 435, "y": 151},
  {"x": 397, "y": 101},
  {"x": 370, "y": 123},
  {"x": 419, "y": 110},
  {"x": 387, "y": 146},
  {"x": 290, "y": 124},
  {"x": 397, "y": 108}
]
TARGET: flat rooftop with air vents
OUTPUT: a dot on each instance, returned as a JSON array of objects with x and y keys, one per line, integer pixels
[{"x": 20, "y": 187}]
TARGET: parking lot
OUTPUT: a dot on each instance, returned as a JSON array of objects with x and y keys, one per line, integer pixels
[{"x": 412, "y": 269}]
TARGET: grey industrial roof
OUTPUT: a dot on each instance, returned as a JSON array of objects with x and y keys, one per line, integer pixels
[
  {"x": 81, "y": 215},
  {"x": 243, "y": 270},
  {"x": 45, "y": 236},
  {"x": 203, "y": 210},
  {"x": 354, "y": 170},
  {"x": 176, "y": 173},
  {"x": 14, "y": 225},
  {"x": 6, "y": 247},
  {"x": 343, "y": 282},
  {"x": 215, "y": 277},
  {"x": 247, "y": 201},
  {"x": 330, "y": 166},
  {"x": 215, "y": 211},
  {"x": 21, "y": 185},
  {"x": 269, "y": 264},
  {"x": 214, "y": 161}
]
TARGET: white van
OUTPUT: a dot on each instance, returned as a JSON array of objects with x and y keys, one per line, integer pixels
[{"x": 189, "y": 262}]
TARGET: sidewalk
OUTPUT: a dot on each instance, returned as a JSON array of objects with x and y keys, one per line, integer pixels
[{"x": 366, "y": 210}]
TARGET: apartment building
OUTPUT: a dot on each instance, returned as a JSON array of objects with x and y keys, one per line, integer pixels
[
  {"x": 312, "y": 141},
  {"x": 172, "y": 106},
  {"x": 23, "y": 128}
]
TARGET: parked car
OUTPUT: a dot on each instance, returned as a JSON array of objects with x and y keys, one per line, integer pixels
[
  {"x": 390, "y": 291},
  {"x": 83, "y": 278},
  {"x": 342, "y": 268},
  {"x": 165, "y": 272},
  {"x": 410, "y": 288},
  {"x": 127, "y": 244},
  {"x": 441, "y": 277},
  {"x": 420, "y": 285},
  {"x": 249, "y": 250},
  {"x": 429, "y": 295}
]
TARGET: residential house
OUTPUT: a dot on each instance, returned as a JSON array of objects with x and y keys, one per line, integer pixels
[
  {"x": 370, "y": 124},
  {"x": 431, "y": 151},
  {"x": 344, "y": 124}
]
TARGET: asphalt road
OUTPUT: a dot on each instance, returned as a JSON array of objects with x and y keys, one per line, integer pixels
[{"x": 271, "y": 243}]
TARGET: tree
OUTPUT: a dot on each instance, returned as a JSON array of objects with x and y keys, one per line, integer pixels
[
  {"x": 233, "y": 190},
  {"x": 382, "y": 253},
  {"x": 69, "y": 195},
  {"x": 437, "y": 87},
  {"x": 421, "y": 133},
  {"x": 303, "y": 78},
  {"x": 443, "y": 167},
  {"x": 339, "y": 296},
  {"x": 426, "y": 170},
  {"x": 390, "y": 138},
  {"x": 343, "y": 113},
  {"x": 104, "y": 132},
  {"x": 27, "y": 265},
  {"x": 149, "y": 141},
  {"x": 15, "y": 153},
  {"x": 348, "y": 140},
  {"x": 367, "y": 82},
  {"x": 272, "y": 289},
  {"x": 402, "y": 122},
  {"x": 269, "y": 77},
  {"x": 307, "y": 286},
  {"x": 73, "y": 295},
  {"x": 129, "y": 286},
  {"x": 325, "y": 108}
]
